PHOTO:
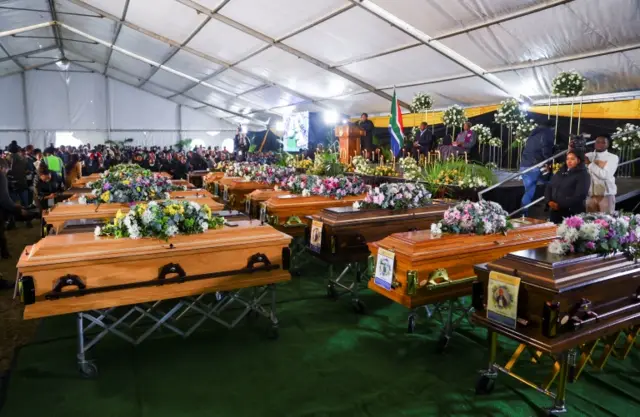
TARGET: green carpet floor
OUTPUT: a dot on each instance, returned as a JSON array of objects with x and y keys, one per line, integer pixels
[{"x": 328, "y": 361}]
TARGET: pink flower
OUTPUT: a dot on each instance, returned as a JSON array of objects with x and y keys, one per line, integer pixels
[
  {"x": 574, "y": 222},
  {"x": 590, "y": 245}
]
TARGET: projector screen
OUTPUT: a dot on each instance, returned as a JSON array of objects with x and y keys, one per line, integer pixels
[{"x": 296, "y": 132}]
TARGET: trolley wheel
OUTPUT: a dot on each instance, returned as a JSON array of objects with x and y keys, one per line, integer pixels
[
  {"x": 485, "y": 385},
  {"x": 331, "y": 291},
  {"x": 411, "y": 327},
  {"x": 358, "y": 306},
  {"x": 443, "y": 343},
  {"x": 88, "y": 370},
  {"x": 273, "y": 333}
]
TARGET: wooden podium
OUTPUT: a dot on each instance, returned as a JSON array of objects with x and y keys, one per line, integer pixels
[{"x": 349, "y": 136}]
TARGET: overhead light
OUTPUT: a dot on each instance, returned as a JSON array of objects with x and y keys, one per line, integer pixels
[
  {"x": 524, "y": 106},
  {"x": 345, "y": 121},
  {"x": 330, "y": 117},
  {"x": 213, "y": 133},
  {"x": 63, "y": 64},
  {"x": 280, "y": 126}
]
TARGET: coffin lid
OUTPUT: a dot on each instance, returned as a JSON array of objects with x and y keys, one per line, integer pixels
[
  {"x": 86, "y": 248},
  {"x": 563, "y": 272},
  {"x": 288, "y": 200},
  {"x": 422, "y": 245},
  {"x": 348, "y": 214}
]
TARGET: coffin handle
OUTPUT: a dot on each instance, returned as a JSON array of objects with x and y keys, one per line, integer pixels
[
  {"x": 258, "y": 258},
  {"x": 170, "y": 269},
  {"x": 68, "y": 281}
]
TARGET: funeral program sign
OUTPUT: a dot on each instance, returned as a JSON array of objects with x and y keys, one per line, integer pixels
[
  {"x": 384, "y": 268},
  {"x": 315, "y": 242},
  {"x": 502, "y": 303}
]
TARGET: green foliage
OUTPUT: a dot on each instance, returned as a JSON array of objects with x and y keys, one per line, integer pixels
[
  {"x": 184, "y": 144},
  {"x": 433, "y": 171},
  {"x": 118, "y": 143},
  {"x": 253, "y": 148},
  {"x": 327, "y": 163}
]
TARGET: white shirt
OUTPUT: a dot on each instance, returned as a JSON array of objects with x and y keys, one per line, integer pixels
[{"x": 603, "y": 181}]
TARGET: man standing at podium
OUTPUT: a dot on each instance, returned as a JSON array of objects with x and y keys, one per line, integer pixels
[{"x": 366, "y": 125}]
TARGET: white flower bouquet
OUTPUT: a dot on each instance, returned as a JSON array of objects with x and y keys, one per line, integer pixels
[
  {"x": 628, "y": 137},
  {"x": 509, "y": 112},
  {"x": 483, "y": 133},
  {"x": 410, "y": 168},
  {"x": 454, "y": 116},
  {"x": 421, "y": 103},
  {"x": 568, "y": 84}
]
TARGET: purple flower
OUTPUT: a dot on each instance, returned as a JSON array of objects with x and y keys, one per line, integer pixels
[{"x": 106, "y": 186}]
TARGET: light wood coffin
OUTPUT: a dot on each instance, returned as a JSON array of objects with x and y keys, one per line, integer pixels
[
  {"x": 83, "y": 181},
  {"x": 182, "y": 183},
  {"x": 564, "y": 301},
  {"x": 65, "y": 212},
  {"x": 127, "y": 271},
  {"x": 235, "y": 192},
  {"x": 290, "y": 212},
  {"x": 420, "y": 255},
  {"x": 189, "y": 194},
  {"x": 346, "y": 231},
  {"x": 255, "y": 199}
]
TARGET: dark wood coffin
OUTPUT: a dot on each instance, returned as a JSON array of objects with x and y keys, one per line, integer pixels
[
  {"x": 346, "y": 231},
  {"x": 422, "y": 260},
  {"x": 80, "y": 272},
  {"x": 564, "y": 301}
]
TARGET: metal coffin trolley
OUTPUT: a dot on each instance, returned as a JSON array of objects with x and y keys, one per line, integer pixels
[
  {"x": 339, "y": 236},
  {"x": 117, "y": 286},
  {"x": 429, "y": 270},
  {"x": 557, "y": 307}
]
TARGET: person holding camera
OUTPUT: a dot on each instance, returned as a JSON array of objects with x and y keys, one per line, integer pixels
[{"x": 602, "y": 166}]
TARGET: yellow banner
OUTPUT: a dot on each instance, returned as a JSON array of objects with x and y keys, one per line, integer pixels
[{"x": 628, "y": 109}]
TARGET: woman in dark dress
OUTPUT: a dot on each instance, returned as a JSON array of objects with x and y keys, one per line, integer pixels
[{"x": 567, "y": 192}]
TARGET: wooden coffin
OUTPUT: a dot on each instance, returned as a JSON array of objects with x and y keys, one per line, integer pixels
[
  {"x": 420, "y": 258},
  {"x": 197, "y": 177},
  {"x": 346, "y": 231},
  {"x": 254, "y": 200},
  {"x": 235, "y": 192},
  {"x": 83, "y": 181},
  {"x": 182, "y": 183},
  {"x": 192, "y": 193},
  {"x": 58, "y": 216},
  {"x": 564, "y": 301},
  {"x": 290, "y": 212},
  {"x": 116, "y": 272},
  {"x": 217, "y": 185}
]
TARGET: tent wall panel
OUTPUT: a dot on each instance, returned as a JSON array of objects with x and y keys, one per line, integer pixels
[
  {"x": 11, "y": 103},
  {"x": 132, "y": 108}
]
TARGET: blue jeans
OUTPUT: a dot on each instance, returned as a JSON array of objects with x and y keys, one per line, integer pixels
[
  {"x": 530, "y": 181},
  {"x": 21, "y": 197}
]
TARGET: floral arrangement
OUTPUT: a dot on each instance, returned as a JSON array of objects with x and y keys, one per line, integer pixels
[
  {"x": 628, "y": 137},
  {"x": 523, "y": 130},
  {"x": 410, "y": 168},
  {"x": 411, "y": 137},
  {"x": 509, "y": 112},
  {"x": 129, "y": 183},
  {"x": 304, "y": 164},
  {"x": 421, "y": 103},
  {"x": 361, "y": 165},
  {"x": 491, "y": 165},
  {"x": 161, "y": 220},
  {"x": 495, "y": 142},
  {"x": 568, "y": 84},
  {"x": 222, "y": 166},
  {"x": 336, "y": 187},
  {"x": 461, "y": 179},
  {"x": 469, "y": 181},
  {"x": 454, "y": 116},
  {"x": 458, "y": 173},
  {"x": 396, "y": 196},
  {"x": 599, "y": 233},
  {"x": 556, "y": 167},
  {"x": 482, "y": 218},
  {"x": 384, "y": 171},
  {"x": 268, "y": 174},
  {"x": 483, "y": 133},
  {"x": 241, "y": 169}
]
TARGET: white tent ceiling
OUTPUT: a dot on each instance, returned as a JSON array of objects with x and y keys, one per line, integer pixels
[{"x": 255, "y": 59}]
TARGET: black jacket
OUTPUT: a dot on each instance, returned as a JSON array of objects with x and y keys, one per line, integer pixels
[
  {"x": 539, "y": 146},
  {"x": 425, "y": 140},
  {"x": 569, "y": 188},
  {"x": 6, "y": 203}
]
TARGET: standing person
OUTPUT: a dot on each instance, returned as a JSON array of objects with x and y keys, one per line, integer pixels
[
  {"x": 73, "y": 171},
  {"x": 602, "y": 166},
  {"x": 567, "y": 192},
  {"x": 7, "y": 208},
  {"x": 54, "y": 163},
  {"x": 368, "y": 127},
  {"x": 19, "y": 172},
  {"x": 241, "y": 144},
  {"x": 424, "y": 140},
  {"x": 539, "y": 147}
]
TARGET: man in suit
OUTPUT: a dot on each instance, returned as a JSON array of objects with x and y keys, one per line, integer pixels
[
  {"x": 423, "y": 142},
  {"x": 366, "y": 125}
]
